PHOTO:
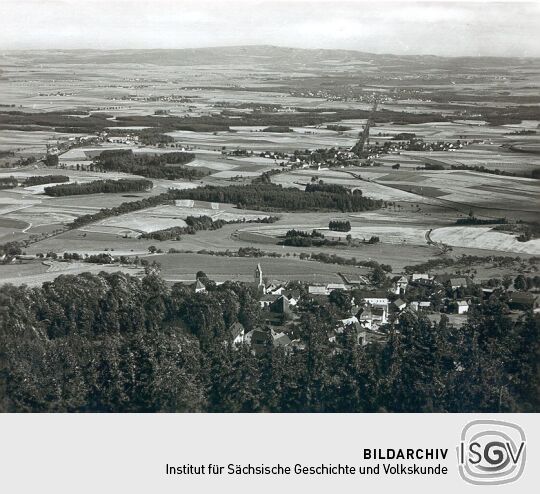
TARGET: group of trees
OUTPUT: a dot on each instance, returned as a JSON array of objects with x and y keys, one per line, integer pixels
[
  {"x": 12, "y": 182},
  {"x": 99, "y": 187},
  {"x": 483, "y": 169},
  {"x": 111, "y": 342},
  {"x": 473, "y": 220},
  {"x": 8, "y": 182},
  {"x": 340, "y": 225},
  {"x": 51, "y": 160},
  {"x": 299, "y": 238},
  {"x": 164, "y": 165}
]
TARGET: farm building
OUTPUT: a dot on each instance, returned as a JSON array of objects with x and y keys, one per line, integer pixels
[{"x": 462, "y": 307}]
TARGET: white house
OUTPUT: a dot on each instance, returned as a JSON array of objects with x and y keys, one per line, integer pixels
[
  {"x": 400, "y": 285},
  {"x": 462, "y": 307},
  {"x": 199, "y": 287},
  {"x": 376, "y": 300}
]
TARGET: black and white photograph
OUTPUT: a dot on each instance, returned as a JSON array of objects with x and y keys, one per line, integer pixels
[{"x": 269, "y": 207}]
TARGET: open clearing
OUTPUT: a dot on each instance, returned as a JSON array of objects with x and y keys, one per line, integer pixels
[{"x": 482, "y": 237}]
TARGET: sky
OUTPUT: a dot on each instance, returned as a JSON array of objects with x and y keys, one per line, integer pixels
[{"x": 403, "y": 27}]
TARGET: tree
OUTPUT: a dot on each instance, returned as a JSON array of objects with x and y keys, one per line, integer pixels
[
  {"x": 520, "y": 283},
  {"x": 51, "y": 160},
  {"x": 378, "y": 276}
]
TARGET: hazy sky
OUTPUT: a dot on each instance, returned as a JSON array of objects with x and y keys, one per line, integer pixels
[{"x": 441, "y": 28}]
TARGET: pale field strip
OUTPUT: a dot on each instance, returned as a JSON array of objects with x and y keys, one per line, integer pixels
[
  {"x": 482, "y": 237},
  {"x": 163, "y": 217},
  {"x": 384, "y": 217},
  {"x": 29, "y": 141},
  {"x": 32, "y": 280},
  {"x": 235, "y": 173},
  {"x": 369, "y": 189},
  {"x": 388, "y": 234},
  {"x": 457, "y": 236}
]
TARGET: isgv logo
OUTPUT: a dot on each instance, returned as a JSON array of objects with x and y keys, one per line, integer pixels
[{"x": 491, "y": 452}]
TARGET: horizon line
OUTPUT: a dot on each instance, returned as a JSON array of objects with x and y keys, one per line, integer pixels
[{"x": 259, "y": 45}]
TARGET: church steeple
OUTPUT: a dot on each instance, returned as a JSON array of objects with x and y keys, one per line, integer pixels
[{"x": 259, "y": 278}]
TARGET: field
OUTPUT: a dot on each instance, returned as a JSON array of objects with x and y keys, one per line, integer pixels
[{"x": 227, "y": 103}]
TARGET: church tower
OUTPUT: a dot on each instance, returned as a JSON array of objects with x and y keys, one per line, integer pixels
[{"x": 259, "y": 278}]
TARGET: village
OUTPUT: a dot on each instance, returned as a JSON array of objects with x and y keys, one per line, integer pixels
[{"x": 370, "y": 309}]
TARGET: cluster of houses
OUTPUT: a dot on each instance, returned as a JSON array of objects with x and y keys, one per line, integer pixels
[{"x": 370, "y": 309}]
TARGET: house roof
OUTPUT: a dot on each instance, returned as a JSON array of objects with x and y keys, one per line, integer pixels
[
  {"x": 281, "y": 339},
  {"x": 269, "y": 298},
  {"x": 462, "y": 303},
  {"x": 336, "y": 286},
  {"x": 521, "y": 297},
  {"x": 377, "y": 311},
  {"x": 237, "y": 329},
  {"x": 349, "y": 320},
  {"x": 373, "y": 294},
  {"x": 399, "y": 302},
  {"x": 291, "y": 294},
  {"x": 400, "y": 279}
]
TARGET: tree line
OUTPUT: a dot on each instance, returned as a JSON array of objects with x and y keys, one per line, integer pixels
[
  {"x": 115, "y": 343},
  {"x": 45, "y": 179},
  {"x": 99, "y": 187},
  {"x": 269, "y": 197}
]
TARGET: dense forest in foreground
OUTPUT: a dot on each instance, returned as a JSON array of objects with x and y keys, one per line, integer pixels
[{"x": 115, "y": 343}]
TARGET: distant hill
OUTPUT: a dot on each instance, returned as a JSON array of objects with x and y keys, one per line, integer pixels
[{"x": 258, "y": 55}]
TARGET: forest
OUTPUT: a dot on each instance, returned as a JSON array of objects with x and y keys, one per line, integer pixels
[
  {"x": 99, "y": 187},
  {"x": 165, "y": 165},
  {"x": 277, "y": 198},
  {"x": 115, "y": 343}
]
